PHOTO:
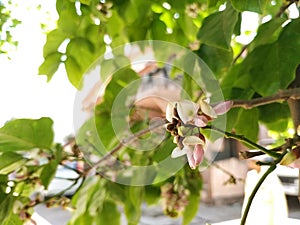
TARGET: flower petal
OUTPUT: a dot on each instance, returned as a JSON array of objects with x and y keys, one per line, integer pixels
[
  {"x": 177, "y": 152},
  {"x": 190, "y": 158},
  {"x": 187, "y": 110},
  {"x": 223, "y": 107},
  {"x": 198, "y": 154},
  {"x": 207, "y": 109},
  {"x": 200, "y": 121},
  {"x": 192, "y": 140},
  {"x": 170, "y": 111}
]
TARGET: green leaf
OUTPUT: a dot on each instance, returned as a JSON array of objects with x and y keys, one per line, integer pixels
[
  {"x": 26, "y": 134},
  {"x": 109, "y": 214},
  {"x": 268, "y": 32},
  {"x": 210, "y": 55},
  {"x": 6, "y": 206},
  {"x": 250, "y": 5},
  {"x": 50, "y": 65},
  {"x": 152, "y": 194},
  {"x": 273, "y": 112},
  {"x": 10, "y": 161},
  {"x": 247, "y": 124},
  {"x": 74, "y": 71},
  {"x": 68, "y": 20},
  {"x": 217, "y": 28},
  {"x": 13, "y": 219},
  {"x": 82, "y": 198},
  {"x": 49, "y": 169},
  {"x": 119, "y": 82},
  {"x": 133, "y": 204},
  {"x": 82, "y": 51},
  {"x": 191, "y": 209},
  {"x": 54, "y": 39},
  {"x": 272, "y": 66}
]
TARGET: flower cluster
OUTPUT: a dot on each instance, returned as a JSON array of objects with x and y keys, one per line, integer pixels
[
  {"x": 174, "y": 199},
  {"x": 185, "y": 118}
]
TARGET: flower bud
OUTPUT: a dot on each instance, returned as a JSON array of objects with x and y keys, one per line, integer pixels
[{"x": 291, "y": 156}]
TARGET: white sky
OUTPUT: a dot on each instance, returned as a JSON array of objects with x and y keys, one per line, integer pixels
[{"x": 24, "y": 94}]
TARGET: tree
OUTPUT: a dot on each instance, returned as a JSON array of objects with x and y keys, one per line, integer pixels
[{"x": 260, "y": 80}]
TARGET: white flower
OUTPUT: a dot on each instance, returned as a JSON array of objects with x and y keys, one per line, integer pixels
[{"x": 193, "y": 149}]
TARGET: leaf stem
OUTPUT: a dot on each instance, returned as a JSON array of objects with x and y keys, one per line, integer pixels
[{"x": 245, "y": 140}]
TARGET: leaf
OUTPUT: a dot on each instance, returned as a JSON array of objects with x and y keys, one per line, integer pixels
[
  {"x": 50, "y": 65},
  {"x": 268, "y": 32},
  {"x": 250, "y": 5},
  {"x": 81, "y": 199},
  {"x": 133, "y": 204},
  {"x": 191, "y": 209},
  {"x": 49, "y": 170},
  {"x": 272, "y": 66},
  {"x": 109, "y": 214},
  {"x": 82, "y": 51},
  {"x": 10, "y": 161},
  {"x": 210, "y": 55},
  {"x": 74, "y": 71},
  {"x": 103, "y": 113},
  {"x": 26, "y": 134},
  {"x": 6, "y": 207},
  {"x": 217, "y": 28},
  {"x": 54, "y": 39},
  {"x": 152, "y": 194},
  {"x": 247, "y": 124}
]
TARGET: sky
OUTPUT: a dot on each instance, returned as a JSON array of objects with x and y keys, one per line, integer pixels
[{"x": 24, "y": 94}]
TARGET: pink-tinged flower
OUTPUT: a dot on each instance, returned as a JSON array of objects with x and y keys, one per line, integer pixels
[
  {"x": 199, "y": 115},
  {"x": 193, "y": 149}
]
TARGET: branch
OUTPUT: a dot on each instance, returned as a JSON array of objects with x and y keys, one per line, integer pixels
[
  {"x": 126, "y": 141},
  {"x": 282, "y": 95}
]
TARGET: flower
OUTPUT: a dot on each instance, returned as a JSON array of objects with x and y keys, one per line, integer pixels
[
  {"x": 193, "y": 148},
  {"x": 183, "y": 117},
  {"x": 190, "y": 113}
]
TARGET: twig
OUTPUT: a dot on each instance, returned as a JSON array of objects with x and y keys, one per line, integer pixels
[
  {"x": 282, "y": 95},
  {"x": 127, "y": 141},
  {"x": 257, "y": 186},
  {"x": 245, "y": 140}
]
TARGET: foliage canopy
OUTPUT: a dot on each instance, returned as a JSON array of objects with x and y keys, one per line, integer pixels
[{"x": 263, "y": 69}]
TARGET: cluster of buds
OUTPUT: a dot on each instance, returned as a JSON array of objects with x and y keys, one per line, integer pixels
[
  {"x": 174, "y": 199},
  {"x": 183, "y": 117}
]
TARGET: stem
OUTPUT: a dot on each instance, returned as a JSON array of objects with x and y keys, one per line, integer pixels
[
  {"x": 257, "y": 186},
  {"x": 245, "y": 140},
  {"x": 282, "y": 95},
  {"x": 126, "y": 141}
]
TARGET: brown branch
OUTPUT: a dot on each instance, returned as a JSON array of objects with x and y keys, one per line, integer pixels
[{"x": 282, "y": 95}]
